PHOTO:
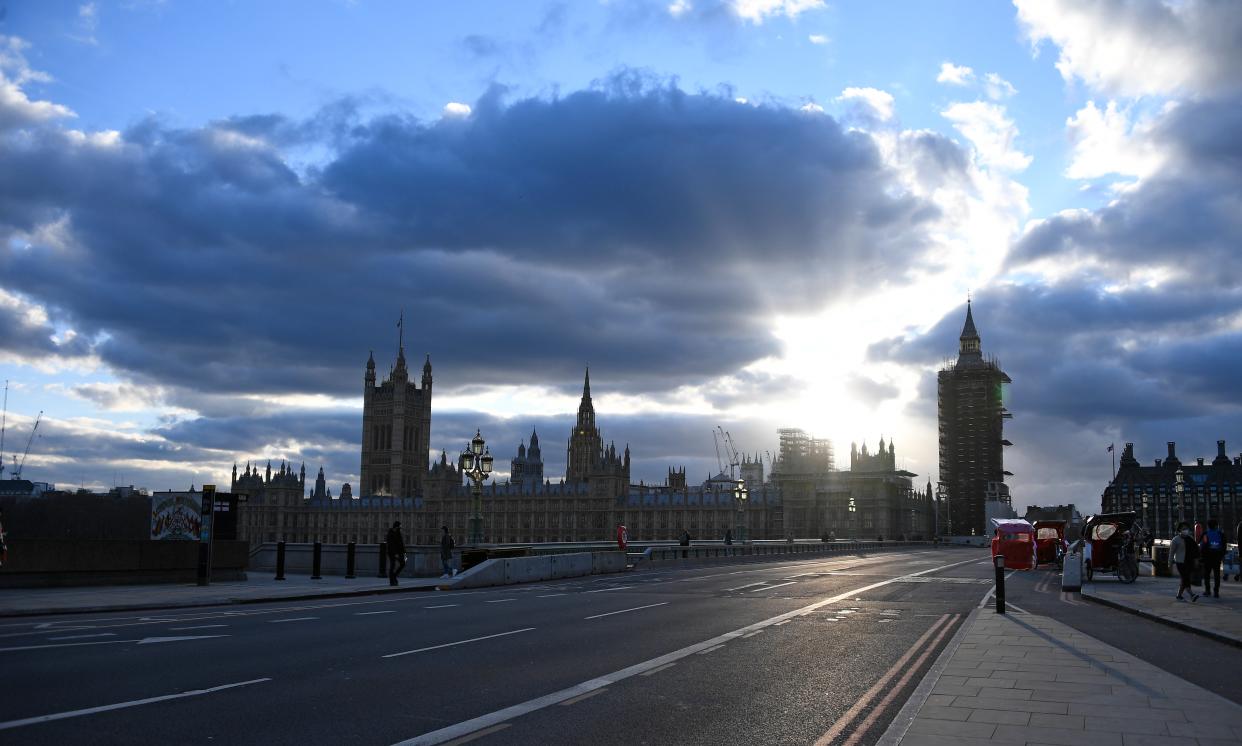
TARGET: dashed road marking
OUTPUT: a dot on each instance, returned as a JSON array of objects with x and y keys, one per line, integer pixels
[
  {"x": 294, "y": 619},
  {"x": 459, "y": 642},
  {"x": 623, "y": 611}
]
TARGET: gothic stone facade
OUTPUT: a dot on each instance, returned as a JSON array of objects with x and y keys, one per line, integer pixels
[
  {"x": 1209, "y": 490},
  {"x": 971, "y": 419}
]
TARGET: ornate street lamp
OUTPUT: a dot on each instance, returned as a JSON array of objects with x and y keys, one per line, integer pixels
[
  {"x": 852, "y": 508},
  {"x": 476, "y": 464},
  {"x": 740, "y": 494},
  {"x": 1179, "y": 488},
  {"x": 1145, "y": 497}
]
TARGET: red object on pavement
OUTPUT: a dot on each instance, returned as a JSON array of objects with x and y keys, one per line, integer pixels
[{"x": 623, "y": 536}]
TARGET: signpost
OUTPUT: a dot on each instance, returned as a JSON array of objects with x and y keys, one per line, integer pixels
[{"x": 204, "y": 543}]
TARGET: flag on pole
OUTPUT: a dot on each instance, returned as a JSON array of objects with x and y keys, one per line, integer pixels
[{"x": 1110, "y": 447}]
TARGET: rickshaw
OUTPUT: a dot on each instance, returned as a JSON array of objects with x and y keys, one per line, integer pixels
[
  {"x": 1111, "y": 537},
  {"x": 1014, "y": 539},
  {"x": 1050, "y": 544}
]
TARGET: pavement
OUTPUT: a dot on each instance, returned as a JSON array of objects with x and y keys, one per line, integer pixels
[
  {"x": 19, "y": 602},
  {"x": 1155, "y": 598},
  {"x": 835, "y": 651},
  {"x": 1021, "y": 678}
]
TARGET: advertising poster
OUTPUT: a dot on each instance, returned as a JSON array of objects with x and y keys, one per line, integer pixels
[{"x": 177, "y": 516}]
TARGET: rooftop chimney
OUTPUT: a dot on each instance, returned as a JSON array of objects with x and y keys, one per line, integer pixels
[
  {"x": 1220, "y": 448},
  {"x": 1172, "y": 449}
]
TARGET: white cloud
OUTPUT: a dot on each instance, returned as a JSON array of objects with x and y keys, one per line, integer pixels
[
  {"x": 88, "y": 22},
  {"x": 455, "y": 109},
  {"x": 16, "y": 108},
  {"x": 811, "y": 107},
  {"x": 997, "y": 87},
  {"x": 758, "y": 11},
  {"x": 679, "y": 8},
  {"x": 1106, "y": 141},
  {"x": 992, "y": 133},
  {"x": 954, "y": 74},
  {"x": 1134, "y": 48},
  {"x": 818, "y": 39},
  {"x": 879, "y": 103}
]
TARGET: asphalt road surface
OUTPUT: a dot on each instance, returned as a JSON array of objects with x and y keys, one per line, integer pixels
[{"x": 769, "y": 652}]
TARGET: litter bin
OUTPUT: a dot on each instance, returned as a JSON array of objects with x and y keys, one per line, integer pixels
[{"x": 1160, "y": 561}]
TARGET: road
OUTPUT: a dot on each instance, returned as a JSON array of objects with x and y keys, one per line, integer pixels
[{"x": 749, "y": 652}]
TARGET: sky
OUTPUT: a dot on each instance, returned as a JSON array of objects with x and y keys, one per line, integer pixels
[{"x": 750, "y": 214}]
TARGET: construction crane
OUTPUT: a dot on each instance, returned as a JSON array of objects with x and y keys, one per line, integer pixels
[
  {"x": 17, "y": 472},
  {"x": 722, "y": 437},
  {"x": 4, "y": 421}
]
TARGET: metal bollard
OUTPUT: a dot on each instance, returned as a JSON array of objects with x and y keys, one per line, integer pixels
[
  {"x": 349, "y": 560},
  {"x": 280, "y": 560},
  {"x": 316, "y": 561},
  {"x": 383, "y": 561},
  {"x": 999, "y": 560}
]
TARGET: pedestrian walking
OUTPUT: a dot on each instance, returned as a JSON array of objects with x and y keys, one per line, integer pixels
[
  {"x": 396, "y": 552},
  {"x": 728, "y": 537},
  {"x": 446, "y": 552},
  {"x": 4, "y": 545},
  {"x": 685, "y": 542},
  {"x": 1213, "y": 549},
  {"x": 1183, "y": 551}
]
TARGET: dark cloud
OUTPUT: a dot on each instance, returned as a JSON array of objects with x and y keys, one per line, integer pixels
[
  {"x": 636, "y": 226},
  {"x": 870, "y": 391}
]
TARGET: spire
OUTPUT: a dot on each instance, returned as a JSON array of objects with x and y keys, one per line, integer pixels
[
  {"x": 371, "y": 361},
  {"x": 401, "y": 336},
  {"x": 427, "y": 368},
  {"x": 586, "y": 385},
  {"x": 968, "y": 342}
]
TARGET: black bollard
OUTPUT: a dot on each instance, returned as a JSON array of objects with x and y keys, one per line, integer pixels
[
  {"x": 316, "y": 561},
  {"x": 1000, "y": 583},
  {"x": 349, "y": 561},
  {"x": 280, "y": 560},
  {"x": 383, "y": 561}
]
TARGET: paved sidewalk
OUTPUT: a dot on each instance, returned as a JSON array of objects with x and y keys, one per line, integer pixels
[
  {"x": 1026, "y": 679},
  {"x": 1219, "y": 618},
  {"x": 95, "y": 599}
]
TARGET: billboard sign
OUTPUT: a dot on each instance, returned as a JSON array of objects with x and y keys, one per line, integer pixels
[{"x": 177, "y": 516}]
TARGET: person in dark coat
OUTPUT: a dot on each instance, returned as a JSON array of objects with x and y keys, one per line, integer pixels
[
  {"x": 1213, "y": 551},
  {"x": 396, "y": 552},
  {"x": 446, "y": 552},
  {"x": 685, "y": 542}
]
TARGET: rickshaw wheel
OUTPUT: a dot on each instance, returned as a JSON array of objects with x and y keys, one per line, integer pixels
[{"x": 1090, "y": 572}]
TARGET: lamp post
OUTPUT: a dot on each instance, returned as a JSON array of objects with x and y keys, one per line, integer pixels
[
  {"x": 852, "y": 508},
  {"x": 476, "y": 464},
  {"x": 740, "y": 494},
  {"x": 1180, "y": 487},
  {"x": 1145, "y": 497}
]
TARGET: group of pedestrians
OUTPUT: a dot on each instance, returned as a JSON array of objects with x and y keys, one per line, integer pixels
[
  {"x": 396, "y": 552},
  {"x": 1209, "y": 549}
]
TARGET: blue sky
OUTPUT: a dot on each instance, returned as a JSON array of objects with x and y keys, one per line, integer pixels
[{"x": 754, "y": 213}]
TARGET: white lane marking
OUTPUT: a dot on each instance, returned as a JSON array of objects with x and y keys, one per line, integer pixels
[
  {"x": 293, "y": 619},
  {"x": 553, "y": 595},
  {"x": 499, "y": 600},
  {"x": 712, "y": 649},
  {"x": 623, "y": 611},
  {"x": 369, "y": 613},
  {"x": 576, "y": 700},
  {"x": 748, "y": 585},
  {"x": 605, "y": 590},
  {"x": 122, "y": 705},
  {"x": 770, "y": 587},
  {"x": 1016, "y": 608},
  {"x": 441, "y": 606},
  {"x": 459, "y": 642},
  {"x": 653, "y": 671},
  {"x": 466, "y": 727},
  {"x": 783, "y": 621},
  {"x": 197, "y": 626},
  {"x": 143, "y": 641},
  {"x": 801, "y": 575},
  {"x": 83, "y": 637},
  {"x": 752, "y": 634}
]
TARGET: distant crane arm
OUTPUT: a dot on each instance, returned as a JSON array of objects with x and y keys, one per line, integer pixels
[{"x": 17, "y": 473}]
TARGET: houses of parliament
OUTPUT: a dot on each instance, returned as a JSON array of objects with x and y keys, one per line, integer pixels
[{"x": 804, "y": 497}]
